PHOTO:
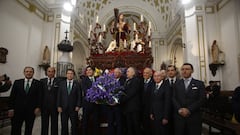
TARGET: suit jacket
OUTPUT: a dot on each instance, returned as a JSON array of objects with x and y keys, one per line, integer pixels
[
  {"x": 69, "y": 101},
  {"x": 122, "y": 80},
  {"x": 146, "y": 94},
  {"x": 85, "y": 85},
  {"x": 161, "y": 101},
  {"x": 236, "y": 102},
  {"x": 172, "y": 87},
  {"x": 192, "y": 98},
  {"x": 20, "y": 101},
  {"x": 49, "y": 96},
  {"x": 131, "y": 101}
]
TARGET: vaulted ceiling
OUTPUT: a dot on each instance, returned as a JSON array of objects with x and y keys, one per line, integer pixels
[{"x": 160, "y": 12}]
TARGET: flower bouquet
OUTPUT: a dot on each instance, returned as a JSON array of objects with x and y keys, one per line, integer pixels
[{"x": 106, "y": 90}]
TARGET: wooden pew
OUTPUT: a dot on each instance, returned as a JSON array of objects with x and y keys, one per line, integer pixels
[
  {"x": 4, "y": 119},
  {"x": 218, "y": 113}
]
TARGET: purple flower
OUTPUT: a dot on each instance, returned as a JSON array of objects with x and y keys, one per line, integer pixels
[{"x": 105, "y": 90}]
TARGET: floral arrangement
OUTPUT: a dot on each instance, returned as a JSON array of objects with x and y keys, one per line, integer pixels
[
  {"x": 98, "y": 72},
  {"x": 105, "y": 90}
]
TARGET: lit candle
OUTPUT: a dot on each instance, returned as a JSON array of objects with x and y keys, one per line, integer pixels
[
  {"x": 104, "y": 27},
  {"x": 97, "y": 19},
  {"x": 89, "y": 32},
  {"x": 149, "y": 24},
  {"x": 100, "y": 39},
  {"x": 149, "y": 31},
  {"x": 125, "y": 43},
  {"x": 136, "y": 37},
  {"x": 150, "y": 44},
  {"x": 134, "y": 26},
  {"x": 141, "y": 18}
]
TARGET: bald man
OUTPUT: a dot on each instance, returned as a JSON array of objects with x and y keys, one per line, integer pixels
[
  {"x": 115, "y": 112},
  {"x": 146, "y": 87},
  {"x": 160, "y": 104},
  {"x": 131, "y": 102}
]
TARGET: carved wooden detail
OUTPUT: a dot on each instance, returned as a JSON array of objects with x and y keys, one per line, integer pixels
[{"x": 120, "y": 59}]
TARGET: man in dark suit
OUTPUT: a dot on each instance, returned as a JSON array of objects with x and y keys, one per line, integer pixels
[
  {"x": 49, "y": 102},
  {"x": 69, "y": 102},
  {"x": 131, "y": 102},
  {"x": 89, "y": 109},
  {"x": 115, "y": 112},
  {"x": 213, "y": 90},
  {"x": 160, "y": 104},
  {"x": 171, "y": 80},
  {"x": 188, "y": 97},
  {"x": 236, "y": 103},
  {"x": 25, "y": 101},
  {"x": 146, "y": 88}
]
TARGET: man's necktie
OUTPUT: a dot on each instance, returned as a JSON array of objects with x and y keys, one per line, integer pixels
[
  {"x": 92, "y": 79},
  {"x": 145, "y": 85},
  {"x": 69, "y": 88},
  {"x": 172, "y": 82},
  {"x": 27, "y": 86},
  {"x": 186, "y": 83},
  {"x": 49, "y": 84},
  {"x": 156, "y": 88}
]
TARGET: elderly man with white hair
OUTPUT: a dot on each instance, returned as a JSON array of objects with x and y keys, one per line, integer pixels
[
  {"x": 131, "y": 102},
  {"x": 160, "y": 104}
]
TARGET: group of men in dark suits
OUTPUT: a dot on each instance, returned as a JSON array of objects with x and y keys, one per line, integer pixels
[
  {"x": 153, "y": 104},
  {"x": 50, "y": 96},
  {"x": 174, "y": 103},
  {"x": 162, "y": 106}
]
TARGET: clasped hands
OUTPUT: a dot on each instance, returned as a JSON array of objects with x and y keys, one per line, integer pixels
[
  {"x": 184, "y": 112},
  {"x": 164, "y": 121}
]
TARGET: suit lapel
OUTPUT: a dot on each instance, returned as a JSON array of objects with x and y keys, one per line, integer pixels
[
  {"x": 191, "y": 84},
  {"x": 22, "y": 85},
  {"x": 182, "y": 86},
  {"x": 31, "y": 86}
]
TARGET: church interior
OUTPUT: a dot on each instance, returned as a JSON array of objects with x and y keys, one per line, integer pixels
[{"x": 76, "y": 33}]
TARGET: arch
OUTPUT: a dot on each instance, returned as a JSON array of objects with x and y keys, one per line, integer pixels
[
  {"x": 79, "y": 55},
  {"x": 176, "y": 53}
]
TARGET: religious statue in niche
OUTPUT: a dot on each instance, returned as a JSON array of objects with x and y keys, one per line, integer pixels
[
  {"x": 3, "y": 55},
  {"x": 218, "y": 56},
  {"x": 46, "y": 56},
  {"x": 45, "y": 59}
]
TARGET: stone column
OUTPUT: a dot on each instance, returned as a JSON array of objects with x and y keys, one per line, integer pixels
[
  {"x": 194, "y": 38},
  {"x": 62, "y": 56}
]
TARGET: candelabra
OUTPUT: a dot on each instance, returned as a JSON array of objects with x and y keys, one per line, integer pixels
[
  {"x": 95, "y": 36},
  {"x": 144, "y": 31}
]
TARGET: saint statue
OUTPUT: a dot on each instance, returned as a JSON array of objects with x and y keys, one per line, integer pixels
[
  {"x": 120, "y": 28},
  {"x": 215, "y": 52},
  {"x": 46, "y": 55}
]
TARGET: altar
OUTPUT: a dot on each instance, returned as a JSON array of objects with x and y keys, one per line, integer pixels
[{"x": 127, "y": 47}]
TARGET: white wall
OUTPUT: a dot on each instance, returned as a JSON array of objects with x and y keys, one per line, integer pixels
[
  {"x": 21, "y": 34},
  {"x": 191, "y": 47},
  {"x": 212, "y": 33},
  {"x": 229, "y": 42}
]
